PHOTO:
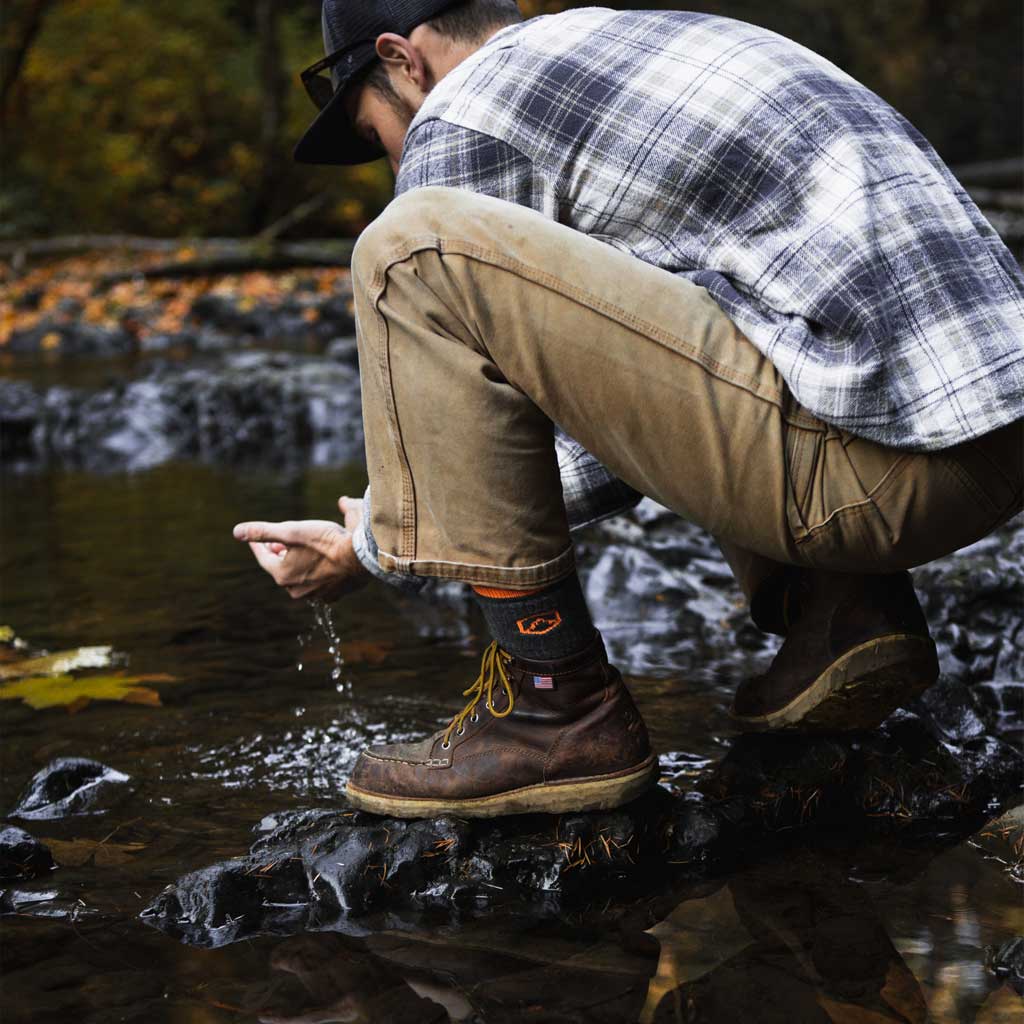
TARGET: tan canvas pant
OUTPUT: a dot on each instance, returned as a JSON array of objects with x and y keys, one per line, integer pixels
[{"x": 480, "y": 323}]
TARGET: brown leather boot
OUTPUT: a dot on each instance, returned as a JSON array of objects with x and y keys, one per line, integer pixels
[
  {"x": 551, "y": 736},
  {"x": 858, "y": 649}
]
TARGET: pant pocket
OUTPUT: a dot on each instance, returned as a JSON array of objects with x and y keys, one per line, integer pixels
[
  {"x": 803, "y": 454},
  {"x": 842, "y": 527}
]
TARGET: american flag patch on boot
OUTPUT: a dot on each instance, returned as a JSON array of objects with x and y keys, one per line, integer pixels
[{"x": 543, "y": 683}]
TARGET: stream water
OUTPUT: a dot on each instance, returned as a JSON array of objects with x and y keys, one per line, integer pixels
[
  {"x": 271, "y": 701},
  {"x": 856, "y": 932}
]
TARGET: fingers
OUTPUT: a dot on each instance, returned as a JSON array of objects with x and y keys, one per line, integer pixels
[
  {"x": 307, "y": 558},
  {"x": 268, "y": 559},
  {"x": 282, "y": 533}
]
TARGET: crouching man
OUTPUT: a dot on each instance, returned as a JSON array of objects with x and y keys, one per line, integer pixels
[{"x": 664, "y": 254}]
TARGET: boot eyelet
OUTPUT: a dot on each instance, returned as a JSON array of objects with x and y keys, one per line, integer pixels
[
  {"x": 460, "y": 730},
  {"x": 445, "y": 746},
  {"x": 474, "y": 717}
]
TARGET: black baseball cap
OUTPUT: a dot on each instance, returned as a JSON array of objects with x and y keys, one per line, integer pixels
[{"x": 350, "y": 30}]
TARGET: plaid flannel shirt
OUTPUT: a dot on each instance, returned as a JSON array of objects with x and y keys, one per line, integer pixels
[{"x": 822, "y": 222}]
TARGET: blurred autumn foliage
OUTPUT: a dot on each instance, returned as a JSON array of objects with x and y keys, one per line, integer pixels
[
  {"x": 177, "y": 117},
  {"x": 109, "y": 291}
]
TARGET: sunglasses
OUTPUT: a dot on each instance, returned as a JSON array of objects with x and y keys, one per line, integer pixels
[{"x": 316, "y": 79}]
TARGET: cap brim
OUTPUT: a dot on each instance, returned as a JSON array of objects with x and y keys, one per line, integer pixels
[{"x": 331, "y": 138}]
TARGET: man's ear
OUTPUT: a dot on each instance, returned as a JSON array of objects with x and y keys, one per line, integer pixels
[{"x": 403, "y": 59}]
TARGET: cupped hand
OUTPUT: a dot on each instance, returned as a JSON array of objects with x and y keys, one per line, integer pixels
[{"x": 311, "y": 558}]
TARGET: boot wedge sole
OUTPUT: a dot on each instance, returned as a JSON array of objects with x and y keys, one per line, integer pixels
[
  {"x": 596, "y": 793},
  {"x": 857, "y": 691}
]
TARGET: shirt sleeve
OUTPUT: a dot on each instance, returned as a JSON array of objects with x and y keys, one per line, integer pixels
[
  {"x": 590, "y": 491},
  {"x": 439, "y": 153},
  {"x": 366, "y": 550}
]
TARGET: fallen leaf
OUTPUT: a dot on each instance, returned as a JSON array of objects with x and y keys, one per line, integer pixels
[
  {"x": 68, "y": 691},
  {"x": 73, "y": 853},
  {"x": 59, "y": 663}
]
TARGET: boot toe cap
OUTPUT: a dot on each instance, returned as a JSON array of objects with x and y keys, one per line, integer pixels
[{"x": 382, "y": 769}]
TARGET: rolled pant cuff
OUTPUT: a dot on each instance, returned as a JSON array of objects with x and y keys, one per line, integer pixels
[{"x": 515, "y": 577}]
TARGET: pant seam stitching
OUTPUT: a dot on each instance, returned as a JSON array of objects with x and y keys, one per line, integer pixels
[
  {"x": 408, "y": 491},
  {"x": 844, "y": 511},
  {"x": 458, "y": 247}
]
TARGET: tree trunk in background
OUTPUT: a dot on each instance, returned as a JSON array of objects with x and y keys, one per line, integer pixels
[
  {"x": 273, "y": 94},
  {"x": 21, "y": 23}
]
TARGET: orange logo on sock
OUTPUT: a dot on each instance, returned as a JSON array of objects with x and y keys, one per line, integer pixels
[{"x": 539, "y": 624}]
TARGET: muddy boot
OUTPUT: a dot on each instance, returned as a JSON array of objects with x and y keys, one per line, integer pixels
[
  {"x": 550, "y": 736},
  {"x": 857, "y": 648}
]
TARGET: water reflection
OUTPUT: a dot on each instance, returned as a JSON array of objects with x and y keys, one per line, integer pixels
[
  {"x": 796, "y": 940},
  {"x": 792, "y": 941},
  {"x": 147, "y": 563},
  {"x": 321, "y": 978}
]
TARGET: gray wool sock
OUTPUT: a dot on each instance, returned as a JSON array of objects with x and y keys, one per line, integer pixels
[{"x": 548, "y": 624}]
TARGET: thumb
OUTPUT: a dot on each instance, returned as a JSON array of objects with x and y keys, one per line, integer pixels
[
  {"x": 280, "y": 533},
  {"x": 351, "y": 510}
]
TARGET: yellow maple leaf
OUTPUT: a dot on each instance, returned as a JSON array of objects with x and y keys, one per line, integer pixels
[{"x": 70, "y": 692}]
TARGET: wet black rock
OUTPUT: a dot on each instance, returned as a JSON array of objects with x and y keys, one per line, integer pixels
[
  {"x": 336, "y": 317},
  {"x": 277, "y": 408},
  {"x": 71, "y": 785},
  {"x": 1002, "y": 841},
  {"x": 343, "y": 350},
  {"x": 336, "y": 865},
  {"x": 73, "y": 338},
  {"x": 973, "y": 600},
  {"x": 665, "y": 601},
  {"x": 224, "y": 313},
  {"x": 1007, "y": 961},
  {"x": 234, "y": 317},
  {"x": 180, "y": 341},
  {"x": 22, "y": 855},
  {"x": 905, "y": 777},
  {"x": 700, "y": 833},
  {"x": 21, "y": 408},
  {"x": 330, "y": 867},
  {"x": 18, "y": 901},
  {"x": 956, "y": 712}
]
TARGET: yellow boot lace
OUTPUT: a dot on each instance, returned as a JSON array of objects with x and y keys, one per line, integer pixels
[{"x": 492, "y": 671}]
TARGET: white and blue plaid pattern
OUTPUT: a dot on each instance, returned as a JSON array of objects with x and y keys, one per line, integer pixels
[{"x": 820, "y": 220}]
